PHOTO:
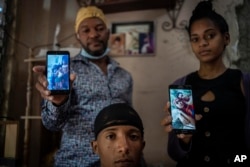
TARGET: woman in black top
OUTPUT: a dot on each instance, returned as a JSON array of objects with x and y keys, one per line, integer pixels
[{"x": 219, "y": 100}]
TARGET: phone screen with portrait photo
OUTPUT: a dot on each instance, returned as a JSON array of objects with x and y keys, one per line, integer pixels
[
  {"x": 182, "y": 108},
  {"x": 58, "y": 71}
]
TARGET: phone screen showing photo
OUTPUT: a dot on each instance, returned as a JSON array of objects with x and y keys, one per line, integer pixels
[
  {"x": 182, "y": 108},
  {"x": 58, "y": 72}
]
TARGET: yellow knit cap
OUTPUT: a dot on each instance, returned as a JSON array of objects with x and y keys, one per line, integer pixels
[{"x": 87, "y": 12}]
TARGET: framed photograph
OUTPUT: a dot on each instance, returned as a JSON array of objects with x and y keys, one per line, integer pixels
[
  {"x": 132, "y": 39},
  {"x": 117, "y": 44}
]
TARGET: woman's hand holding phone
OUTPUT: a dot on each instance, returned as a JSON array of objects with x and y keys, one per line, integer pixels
[
  {"x": 167, "y": 123},
  {"x": 167, "y": 120}
]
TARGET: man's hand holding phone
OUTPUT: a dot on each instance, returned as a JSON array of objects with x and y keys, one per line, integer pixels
[{"x": 42, "y": 86}]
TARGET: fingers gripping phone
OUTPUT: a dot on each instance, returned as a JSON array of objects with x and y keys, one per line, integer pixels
[
  {"x": 182, "y": 108},
  {"x": 58, "y": 72}
]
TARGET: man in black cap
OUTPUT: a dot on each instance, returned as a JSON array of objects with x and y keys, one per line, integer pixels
[{"x": 119, "y": 136}]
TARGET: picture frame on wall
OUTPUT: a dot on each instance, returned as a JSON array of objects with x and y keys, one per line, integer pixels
[{"x": 132, "y": 39}]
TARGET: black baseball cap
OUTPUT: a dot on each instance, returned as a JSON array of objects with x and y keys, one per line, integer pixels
[{"x": 117, "y": 114}]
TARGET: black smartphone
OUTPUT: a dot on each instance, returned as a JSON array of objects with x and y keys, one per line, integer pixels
[
  {"x": 58, "y": 72},
  {"x": 182, "y": 108}
]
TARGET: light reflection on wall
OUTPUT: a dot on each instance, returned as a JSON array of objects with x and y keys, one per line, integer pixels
[{"x": 46, "y": 4}]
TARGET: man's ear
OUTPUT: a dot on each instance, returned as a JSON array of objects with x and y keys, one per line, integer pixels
[
  {"x": 77, "y": 36},
  {"x": 94, "y": 146},
  {"x": 108, "y": 33},
  {"x": 227, "y": 38},
  {"x": 143, "y": 145}
]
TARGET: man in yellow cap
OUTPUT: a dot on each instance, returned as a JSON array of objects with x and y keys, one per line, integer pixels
[
  {"x": 97, "y": 81},
  {"x": 87, "y": 19}
]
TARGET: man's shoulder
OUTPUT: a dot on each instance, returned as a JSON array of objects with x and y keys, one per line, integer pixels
[
  {"x": 117, "y": 65},
  {"x": 78, "y": 57},
  {"x": 96, "y": 164}
]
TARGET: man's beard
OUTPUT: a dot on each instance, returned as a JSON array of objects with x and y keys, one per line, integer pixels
[{"x": 96, "y": 53}]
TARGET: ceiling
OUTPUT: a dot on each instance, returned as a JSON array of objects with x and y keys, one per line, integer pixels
[{"x": 114, "y": 6}]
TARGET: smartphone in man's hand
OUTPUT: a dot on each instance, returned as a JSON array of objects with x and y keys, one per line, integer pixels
[{"x": 58, "y": 72}]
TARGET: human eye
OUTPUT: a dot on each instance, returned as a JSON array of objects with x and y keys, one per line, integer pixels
[
  {"x": 194, "y": 39},
  {"x": 134, "y": 136},
  {"x": 209, "y": 36},
  {"x": 100, "y": 28},
  {"x": 110, "y": 136},
  {"x": 84, "y": 31}
]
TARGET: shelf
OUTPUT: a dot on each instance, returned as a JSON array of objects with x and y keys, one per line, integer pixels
[
  {"x": 37, "y": 59},
  {"x": 31, "y": 117}
]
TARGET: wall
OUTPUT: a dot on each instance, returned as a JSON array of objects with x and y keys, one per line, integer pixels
[
  {"x": 242, "y": 15},
  {"x": 40, "y": 21}
]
